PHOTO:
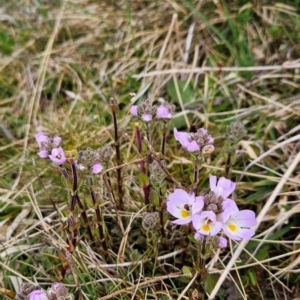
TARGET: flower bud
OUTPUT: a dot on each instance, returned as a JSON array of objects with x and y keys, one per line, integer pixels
[
  {"x": 26, "y": 289},
  {"x": 150, "y": 220},
  {"x": 236, "y": 131}
]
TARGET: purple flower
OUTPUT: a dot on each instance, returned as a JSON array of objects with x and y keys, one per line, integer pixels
[
  {"x": 147, "y": 117},
  {"x": 183, "y": 206},
  {"x": 163, "y": 112},
  {"x": 199, "y": 141},
  {"x": 223, "y": 188},
  {"x": 184, "y": 139},
  {"x": 47, "y": 145},
  {"x": 237, "y": 223},
  {"x": 55, "y": 286},
  {"x": 58, "y": 156},
  {"x": 43, "y": 154},
  {"x": 96, "y": 168},
  {"x": 206, "y": 223},
  {"x": 42, "y": 139},
  {"x": 44, "y": 143},
  {"x": 56, "y": 142},
  {"x": 204, "y": 132},
  {"x": 222, "y": 242},
  {"x": 38, "y": 295},
  {"x": 134, "y": 110},
  {"x": 58, "y": 291}
]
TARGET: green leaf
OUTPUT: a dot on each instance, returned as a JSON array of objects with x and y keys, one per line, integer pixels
[
  {"x": 210, "y": 282},
  {"x": 185, "y": 91},
  {"x": 186, "y": 271},
  {"x": 262, "y": 254},
  {"x": 252, "y": 277},
  {"x": 143, "y": 179},
  {"x": 282, "y": 231},
  {"x": 260, "y": 194}
]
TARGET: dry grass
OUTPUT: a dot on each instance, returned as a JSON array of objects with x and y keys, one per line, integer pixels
[{"x": 61, "y": 63}]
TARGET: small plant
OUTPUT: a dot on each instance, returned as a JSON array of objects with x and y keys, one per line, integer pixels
[{"x": 101, "y": 197}]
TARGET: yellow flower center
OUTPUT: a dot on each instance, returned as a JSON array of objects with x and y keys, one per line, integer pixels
[
  {"x": 206, "y": 227},
  {"x": 184, "y": 213},
  {"x": 232, "y": 227}
]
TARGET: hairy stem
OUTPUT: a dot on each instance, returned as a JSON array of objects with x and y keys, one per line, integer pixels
[
  {"x": 149, "y": 160},
  {"x": 118, "y": 154},
  {"x": 98, "y": 215},
  {"x": 161, "y": 210},
  {"x": 163, "y": 142},
  {"x": 75, "y": 199},
  {"x": 228, "y": 164},
  {"x": 161, "y": 215},
  {"x": 142, "y": 163},
  {"x": 196, "y": 176}
]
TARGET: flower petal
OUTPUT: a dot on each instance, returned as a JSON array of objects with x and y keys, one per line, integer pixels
[
  {"x": 58, "y": 156},
  {"x": 182, "y": 221},
  {"x": 96, "y": 168},
  {"x": 239, "y": 234},
  {"x": 56, "y": 141},
  {"x": 163, "y": 113},
  {"x": 134, "y": 110},
  {"x": 43, "y": 154},
  {"x": 37, "y": 295},
  {"x": 181, "y": 197},
  {"x": 173, "y": 210},
  {"x": 147, "y": 117},
  {"x": 181, "y": 137},
  {"x": 222, "y": 242},
  {"x": 213, "y": 183},
  {"x": 41, "y": 139},
  {"x": 192, "y": 146},
  {"x": 198, "y": 205},
  {"x": 246, "y": 218},
  {"x": 227, "y": 186}
]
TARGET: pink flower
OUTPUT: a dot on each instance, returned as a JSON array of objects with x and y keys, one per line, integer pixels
[
  {"x": 222, "y": 242},
  {"x": 43, "y": 154},
  {"x": 206, "y": 223},
  {"x": 46, "y": 144},
  {"x": 58, "y": 291},
  {"x": 163, "y": 113},
  {"x": 184, "y": 139},
  {"x": 199, "y": 141},
  {"x": 183, "y": 206},
  {"x": 204, "y": 132},
  {"x": 42, "y": 139},
  {"x": 96, "y": 168},
  {"x": 58, "y": 156},
  {"x": 237, "y": 223},
  {"x": 56, "y": 285},
  {"x": 56, "y": 141},
  {"x": 223, "y": 188},
  {"x": 134, "y": 110},
  {"x": 38, "y": 295},
  {"x": 147, "y": 117}
]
